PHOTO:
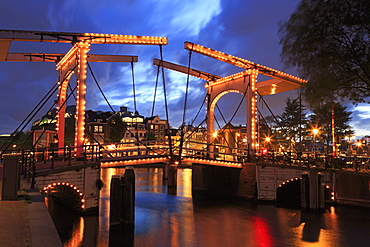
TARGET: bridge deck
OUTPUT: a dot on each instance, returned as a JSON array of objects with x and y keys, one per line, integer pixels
[{"x": 43, "y": 169}]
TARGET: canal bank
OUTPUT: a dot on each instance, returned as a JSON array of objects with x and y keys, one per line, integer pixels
[{"x": 26, "y": 221}]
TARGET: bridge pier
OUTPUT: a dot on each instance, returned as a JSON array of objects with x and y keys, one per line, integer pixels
[
  {"x": 122, "y": 199},
  {"x": 166, "y": 171},
  {"x": 221, "y": 181},
  {"x": 313, "y": 190},
  {"x": 172, "y": 175}
]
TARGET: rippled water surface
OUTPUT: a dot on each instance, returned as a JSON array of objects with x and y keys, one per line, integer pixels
[{"x": 164, "y": 219}]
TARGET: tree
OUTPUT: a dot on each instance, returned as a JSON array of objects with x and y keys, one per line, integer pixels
[
  {"x": 117, "y": 128},
  {"x": 329, "y": 42},
  {"x": 293, "y": 120},
  {"x": 322, "y": 118}
]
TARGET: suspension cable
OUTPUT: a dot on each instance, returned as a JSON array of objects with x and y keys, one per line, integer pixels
[
  {"x": 268, "y": 126},
  {"x": 166, "y": 105},
  {"x": 133, "y": 85},
  {"x": 196, "y": 116},
  {"x": 182, "y": 132},
  {"x": 241, "y": 101},
  {"x": 273, "y": 115},
  {"x": 54, "y": 116},
  {"x": 35, "y": 110},
  {"x": 110, "y": 106},
  {"x": 134, "y": 93},
  {"x": 156, "y": 86}
]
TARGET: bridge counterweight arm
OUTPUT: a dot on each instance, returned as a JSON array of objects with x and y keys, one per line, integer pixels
[
  {"x": 193, "y": 72},
  {"x": 92, "y": 38},
  {"x": 52, "y": 57},
  {"x": 242, "y": 63}
]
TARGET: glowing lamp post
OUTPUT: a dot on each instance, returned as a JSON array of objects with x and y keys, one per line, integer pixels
[
  {"x": 215, "y": 134},
  {"x": 267, "y": 141},
  {"x": 358, "y": 145},
  {"x": 315, "y": 132}
]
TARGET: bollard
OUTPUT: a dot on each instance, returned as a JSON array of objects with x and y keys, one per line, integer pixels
[
  {"x": 11, "y": 177},
  {"x": 128, "y": 198},
  {"x": 115, "y": 200}
]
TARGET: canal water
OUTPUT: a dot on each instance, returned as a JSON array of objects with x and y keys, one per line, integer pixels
[{"x": 163, "y": 219}]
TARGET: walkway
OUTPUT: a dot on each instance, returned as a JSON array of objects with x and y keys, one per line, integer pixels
[{"x": 26, "y": 224}]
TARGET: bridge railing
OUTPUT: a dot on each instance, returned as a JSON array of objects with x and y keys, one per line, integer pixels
[
  {"x": 129, "y": 149},
  {"x": 322, "y": 161},
  {"x": 193, "y": 150}
]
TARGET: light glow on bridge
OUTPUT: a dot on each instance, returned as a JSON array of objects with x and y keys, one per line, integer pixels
[
  {"x": 214, "y": 162},
  {"x": 78, "y": 191},
  {"x": 332, "y": 194},
  {"x": 166, "y": 160},
  {"x": 125, "y": 39},
  {"x": 134, "y": 162},
  {"x": 229, "y": 78}
]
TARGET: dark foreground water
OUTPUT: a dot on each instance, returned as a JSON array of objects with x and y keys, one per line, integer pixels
[{"x": 178, "y": 220}]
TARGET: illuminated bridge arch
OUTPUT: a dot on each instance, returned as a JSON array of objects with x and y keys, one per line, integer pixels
[
  {"x": 67, "y": 194},
  {"x": 244, "y": 83},
  {"x": 288, "y": 193}
]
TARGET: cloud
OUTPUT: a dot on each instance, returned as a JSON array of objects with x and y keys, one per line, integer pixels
[
  {"x": 247, "y": 29},
  {"x": 360, "y": 119}
]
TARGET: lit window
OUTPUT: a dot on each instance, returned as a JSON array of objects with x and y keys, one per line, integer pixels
[{"x": 98, "y": 129}]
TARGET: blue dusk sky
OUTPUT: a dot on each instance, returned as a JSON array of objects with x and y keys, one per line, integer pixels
[{"x": 243, "y": 28}]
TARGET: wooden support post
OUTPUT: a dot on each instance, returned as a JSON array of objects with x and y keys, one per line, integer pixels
[
  {"x": 172, "y": 175},
  {"x": 305, "y": 199},
  {"x": 33, "y": 181},
  {"x": 69, "y": 155},
  {"x": 52, "y": 159},
  {"x": 172, "y": 179},
  {"x": 115, "y": 200},
  {"x": 321, "y": 187},
  {"x": 29, "y": 171},
  {"x": 128, "y": 198},
  {"x": 314, "y": 188},
  {"x": 166, "y": 168},
  {"x": 44, "y": 153}
]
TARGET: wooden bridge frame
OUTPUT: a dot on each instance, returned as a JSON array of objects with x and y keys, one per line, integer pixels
[
  {"x": 75, "y": 61},
  {"x": 244, "y": 82}
]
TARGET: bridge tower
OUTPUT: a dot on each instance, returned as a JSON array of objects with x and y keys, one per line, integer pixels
[
  {"x": 74, "y": 62},
  {"x": 244, "y": 82}
]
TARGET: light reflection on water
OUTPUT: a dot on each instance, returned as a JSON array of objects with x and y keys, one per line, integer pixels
[{"x": 163, "y": 219}]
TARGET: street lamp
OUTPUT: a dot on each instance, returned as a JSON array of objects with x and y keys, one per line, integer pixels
[
  {"x": 215, "y": 134},
  {"x": 359, "y": 145},
  {"x": 315, "y": 131},
  {"x": 267, "y": 141}
]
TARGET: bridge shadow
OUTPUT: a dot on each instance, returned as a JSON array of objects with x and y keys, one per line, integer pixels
[
  {"x": 313, "y": 223},
  {"x": 121, "y": 236}
]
